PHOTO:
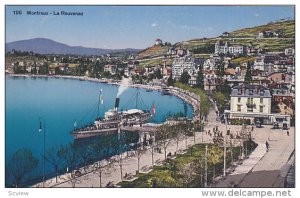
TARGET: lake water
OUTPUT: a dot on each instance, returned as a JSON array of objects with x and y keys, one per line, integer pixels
[{"x": 60, "y": 102}]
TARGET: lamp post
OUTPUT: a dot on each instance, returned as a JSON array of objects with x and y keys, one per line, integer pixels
[
  {"x": 224, "y": 173},
  {"x": 43, "y": 125},
  {"x": 206, "y": 156}
]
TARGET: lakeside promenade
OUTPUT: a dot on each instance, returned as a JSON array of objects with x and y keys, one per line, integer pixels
[
  {"x": 261, "y": 169},
  {"x": 129, "y": 166}
]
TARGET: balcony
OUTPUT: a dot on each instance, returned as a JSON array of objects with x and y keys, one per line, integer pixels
[{"x": 249, "y": 104}]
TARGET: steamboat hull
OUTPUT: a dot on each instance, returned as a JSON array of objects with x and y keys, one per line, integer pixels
[
  {"x": 112, "y": 123},
  {"x": 93, "y": 133}
]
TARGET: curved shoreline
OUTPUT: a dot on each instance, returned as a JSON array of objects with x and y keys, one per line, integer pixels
[
  {"x": 188, "y": 97},
  {"x": 181, "y": 94}
]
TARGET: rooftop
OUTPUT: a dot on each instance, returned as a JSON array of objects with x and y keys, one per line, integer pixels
[{"x": 247, "y": 90}]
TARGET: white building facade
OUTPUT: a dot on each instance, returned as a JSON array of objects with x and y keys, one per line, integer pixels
[
  {"x": 251, "y": 102},
  {"x": 224, "y": 48},
  {"x": 181, "y": 64}
]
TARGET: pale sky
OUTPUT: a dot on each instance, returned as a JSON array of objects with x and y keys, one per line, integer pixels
[{"x": 114, "y": 27}]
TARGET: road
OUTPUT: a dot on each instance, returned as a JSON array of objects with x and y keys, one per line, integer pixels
[
  {"x": 268, "y": 169},
  {"x": 271, "y": 169}
]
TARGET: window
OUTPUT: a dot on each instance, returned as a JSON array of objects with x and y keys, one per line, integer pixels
[
  {"x": 238, "y": 107},
  {"x": 261, "y": 100},
  {"x": 250, "y": 100},
  {"x": 261, "y": 109},
  {"x": 250, "y": 109},
  {"x": 240, "y": 92},
  {"x": 239, "y": 100}
]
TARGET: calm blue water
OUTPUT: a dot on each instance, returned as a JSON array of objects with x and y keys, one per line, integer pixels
[{"x": 62, "y": 101}]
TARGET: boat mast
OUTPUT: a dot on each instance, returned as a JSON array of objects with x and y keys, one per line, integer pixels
[
  {"x": 136, "y": 100},
  {"x": 99, "y": 100}
]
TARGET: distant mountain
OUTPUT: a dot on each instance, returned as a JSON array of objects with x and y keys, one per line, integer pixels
[{"x": 47, "y": 46}]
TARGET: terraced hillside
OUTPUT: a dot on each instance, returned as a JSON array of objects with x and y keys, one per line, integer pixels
[
  {"x": 156, "y": 61},
  {"x": 286, "y": 27},
  {"x": 203, "y": 47},
  {"x": 154, "y": 51},
  {"x": 249, "y": 35}
]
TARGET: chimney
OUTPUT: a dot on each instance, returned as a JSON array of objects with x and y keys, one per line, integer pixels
[{"x": 117, "y": 103}]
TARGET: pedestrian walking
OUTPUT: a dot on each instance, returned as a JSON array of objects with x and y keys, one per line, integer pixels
[
  {"x": 267, "y": 145},
  {"x": 288, "y": 133}
]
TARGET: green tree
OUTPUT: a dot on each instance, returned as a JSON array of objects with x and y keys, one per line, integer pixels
[
  {"x": 21, "y": 163},
  {"x": 248, "y": 76},
  {"x": 170, "y": 80},
  {"x": 220, "y": 99},
  {"x": 224, "y": 88},
  {"x": 204, "y": 49},
  {"x": 184, "y": 78},
  {"x": 45, "y": 68},
  {"x": 215, "y": 153},
  {"x": 158, "y": 74},
  {"x": 204, "y": 103},
  {"x": 221, "y": 68},
  {"x": 199, "y": 80},
  {"x": 172, "y": 167}
]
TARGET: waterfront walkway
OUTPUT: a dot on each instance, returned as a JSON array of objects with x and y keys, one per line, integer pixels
[
  {"x": 129, "y": 166},
  {"x": 129, "y": 163},
  {"x": 261, "y": 169}
]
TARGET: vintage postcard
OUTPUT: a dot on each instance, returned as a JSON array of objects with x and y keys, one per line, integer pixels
[{"x": 150, "y": 96}]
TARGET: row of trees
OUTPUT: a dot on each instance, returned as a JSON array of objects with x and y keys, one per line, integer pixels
[
  {"x": 66, "y": 158},
  {"x": 137, "y": 78},
  {"x": 205, "y": 103},
  {"x": 204, "y": 49},
  {"x": 78, "y": 159},
  {"x": 202, "y": 167}
]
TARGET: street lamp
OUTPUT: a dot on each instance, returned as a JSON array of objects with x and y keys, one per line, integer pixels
[
  {"x": 206, "y": 156},
  {"x": 41, "y": 128},
  {"x": 225, "y": 139}
]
